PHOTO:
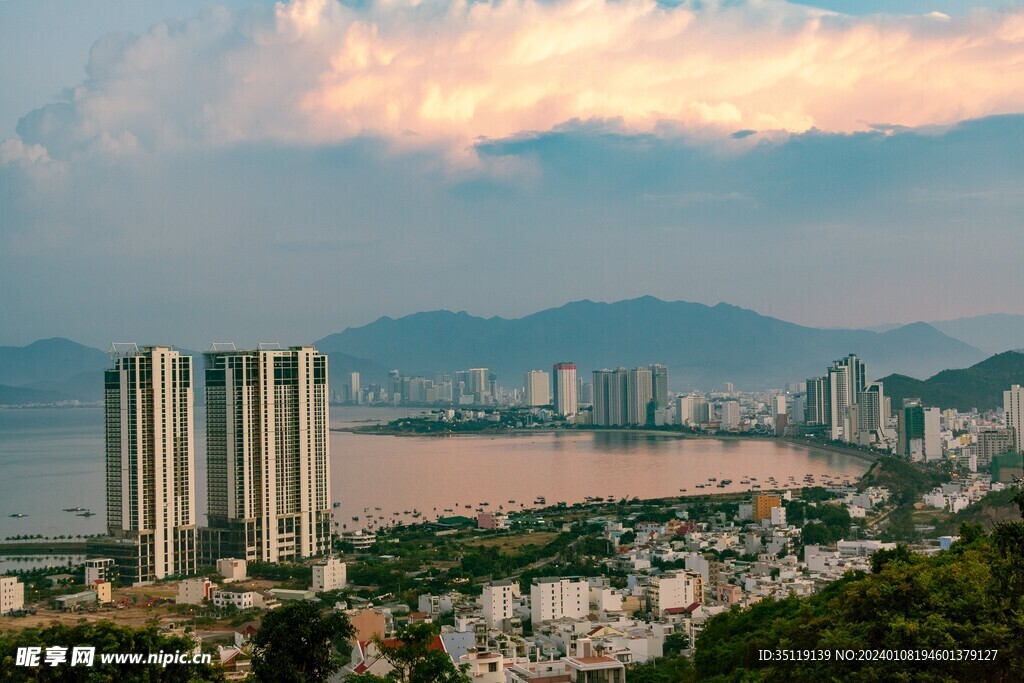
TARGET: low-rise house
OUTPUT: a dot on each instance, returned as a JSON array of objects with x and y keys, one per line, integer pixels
[
  {"x": 104, "y": 591},
  {"x": 329, "y": 575},
  {"x": 232, "y": 569},
  {"x": 12, "y": 595},
  {"x": 195, "y": 591},
  {"x": 240, "y": 598},
  {"x": 99, "y": 568},
  {"x": 590, "y": 665},
  {"x": 69, "y": 602},
  {"x": 484, "y": 667}
]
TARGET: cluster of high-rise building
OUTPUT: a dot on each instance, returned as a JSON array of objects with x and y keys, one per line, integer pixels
[
  {"x": 624, "y": 397},
  {"x": 846, "y": 406},
  {"x": 267, "y": 451},
  {"x": 475, "y": 386}
]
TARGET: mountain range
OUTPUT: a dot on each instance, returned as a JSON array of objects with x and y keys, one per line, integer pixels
[
  {"x": 51, "y": 370},
  {"x": 702, "y": 346},
  {"x": 54, "y": 370}
]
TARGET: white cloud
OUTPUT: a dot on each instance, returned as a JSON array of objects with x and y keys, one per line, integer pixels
[{"x": 315, "y": 71}]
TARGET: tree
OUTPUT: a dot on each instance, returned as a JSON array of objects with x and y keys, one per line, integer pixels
[
  {"x": 413, "y": 661},
  {"x": 815, "y": 533},
  {"x": 107, "y": 638},
  {"x": 294, "y": 644},
  {"x": 675, "y": 643}
]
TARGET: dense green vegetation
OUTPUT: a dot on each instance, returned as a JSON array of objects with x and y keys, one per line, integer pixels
[
  {"x": 295, "y": 644},
  {"x": 823, "y": 524},
  {"x": 107, "y": 638},
  {"x": 510, "y": 418}
]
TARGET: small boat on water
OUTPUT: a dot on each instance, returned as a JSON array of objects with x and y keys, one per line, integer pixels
[
  {"x": 76, "y": 509},
  {"x": 19, "y": 514},
  {"x": 87, "y": 513}
]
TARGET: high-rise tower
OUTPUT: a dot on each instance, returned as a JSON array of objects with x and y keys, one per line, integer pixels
[
  {"x": 150, "y": 463},
  {"x": 267, "y": 454},
  {"x": 659, "y": 386},
  {"x": 1013, "y": 412},
  {"x": 564, "y": 376},
  {"x": 638, "y": 396}
]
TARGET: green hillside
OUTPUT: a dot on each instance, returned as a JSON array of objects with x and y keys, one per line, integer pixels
[
  {"x": 980, "y": 386},
  {"x": 967, "y": 598}
]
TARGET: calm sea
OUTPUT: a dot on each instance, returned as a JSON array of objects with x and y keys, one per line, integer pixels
[{"x": 52, "y": 459}]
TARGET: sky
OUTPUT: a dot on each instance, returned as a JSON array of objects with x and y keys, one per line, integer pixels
[{"x": 192, "y": 172}]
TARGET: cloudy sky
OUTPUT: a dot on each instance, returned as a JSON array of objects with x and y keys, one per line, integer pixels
[{"x": 188, "y": 172}]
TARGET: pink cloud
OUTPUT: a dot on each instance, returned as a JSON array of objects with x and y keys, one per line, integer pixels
[{"x": 315, "y": 71}]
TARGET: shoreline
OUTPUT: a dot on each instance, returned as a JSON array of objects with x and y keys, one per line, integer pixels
[{"x": 809, "y": 444}]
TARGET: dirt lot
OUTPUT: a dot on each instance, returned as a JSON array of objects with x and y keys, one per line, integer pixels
[{"x": 135, "y": 615}]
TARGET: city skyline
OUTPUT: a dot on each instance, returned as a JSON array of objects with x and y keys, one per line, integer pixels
[{"x": 400, "y": 158}]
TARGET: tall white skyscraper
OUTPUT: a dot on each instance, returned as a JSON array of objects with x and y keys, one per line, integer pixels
[
  {"x": 856, "y": 375},
  {"x": 839, "y": 401},
  {"x": 1013, "y": 411},
  {"x": 639, "y": 394},
  {"x": 537, "y": 388},
  {"x": 150, "y": 462},
  {"x": 267, "y": 454},
  {"x": 564, "y": 375}
]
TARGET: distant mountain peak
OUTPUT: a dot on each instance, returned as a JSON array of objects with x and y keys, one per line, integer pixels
[{"x": 702, "y": 345}]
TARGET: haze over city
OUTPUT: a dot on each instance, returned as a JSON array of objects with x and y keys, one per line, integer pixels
[{"x": 258, "y": 171}]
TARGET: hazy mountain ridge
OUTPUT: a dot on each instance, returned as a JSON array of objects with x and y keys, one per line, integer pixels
[
  {"x": 980, "y": 386},
  {"x": 703, "y": 346},
  {"x": 58, "y": 369},
  {"x": 54, "y": 359},
  {"x": 992, "y": 332}
]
